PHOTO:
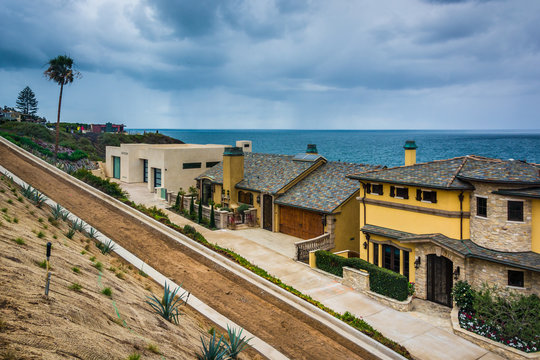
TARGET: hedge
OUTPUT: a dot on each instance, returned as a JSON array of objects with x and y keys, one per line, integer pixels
[
  {"x": 105, "y": 185},
  {"x": 381, "y": 280}
]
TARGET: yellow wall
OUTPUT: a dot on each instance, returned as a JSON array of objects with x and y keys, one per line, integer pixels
[
  {"x": 347, "y": 225},
  {"x": 233, "y": 173},
  {"x": 217, "y": 194},
  {"x": 535, "y": 238},
  {"x": 255, "y": 204}
]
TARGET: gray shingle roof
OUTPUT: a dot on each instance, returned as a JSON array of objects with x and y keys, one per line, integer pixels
[
  {"x": 525, "y": 260},
  {"x": 451, "y": 173},
  {"x": 325, "y": 188},
  {"x": 264, "y": 172}
]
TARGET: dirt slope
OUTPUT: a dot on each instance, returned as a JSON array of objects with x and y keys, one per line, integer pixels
[
  {"x": 285, "y": 328},
  {"x": 78, "y": 324}
]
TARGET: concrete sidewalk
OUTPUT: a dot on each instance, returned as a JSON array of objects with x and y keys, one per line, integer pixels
[{"x": 424, "y": 336}]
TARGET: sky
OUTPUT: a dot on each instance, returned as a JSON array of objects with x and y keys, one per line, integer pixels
[{"x": 279, "y": 64}]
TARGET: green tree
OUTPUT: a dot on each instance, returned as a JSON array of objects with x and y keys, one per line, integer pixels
[
  {"x": 60, "y": 71},
  {"x": 191, "y": 207},
  {"x": 26, "y": 101},
  {"x": 199, "y": 219},
  {"x": 212, "y": 220}
]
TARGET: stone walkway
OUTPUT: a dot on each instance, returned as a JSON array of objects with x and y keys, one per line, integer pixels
[{"x": 427, "y": 334}]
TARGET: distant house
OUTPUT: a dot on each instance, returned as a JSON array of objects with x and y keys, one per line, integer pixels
[
  {"x": 304, "y": 195},
  {"x": 466, "y": 218},
  {"x": 9, "y": 114},
  {"x": 107, "y": 128},
  {"x": 163, "y": 166}
]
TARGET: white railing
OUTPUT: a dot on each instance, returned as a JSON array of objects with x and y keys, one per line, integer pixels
[{"x": 322, "y": 242}]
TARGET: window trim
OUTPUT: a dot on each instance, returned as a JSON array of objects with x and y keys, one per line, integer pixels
[
  {"x": 376, "y": 193},
  {"x": 481, "y": 197},
  {"x": 400, "y": 188},
  {"x": 422, "y": 198}
]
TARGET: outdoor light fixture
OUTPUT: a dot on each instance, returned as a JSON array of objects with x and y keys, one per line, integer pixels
[
  {"x": 417, "y": 262},
  {"x": 456, "y": 273},
  {"x": 365, "y": 244},
  {"x": 258, "y": 199}
]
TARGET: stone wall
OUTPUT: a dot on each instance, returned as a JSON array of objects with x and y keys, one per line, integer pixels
[
  {"x": 494, "y": 274},
  {"x": 423, "y": 250},
  {"x": 495, "y": 231},
  {"x": 356, "y": 279}
]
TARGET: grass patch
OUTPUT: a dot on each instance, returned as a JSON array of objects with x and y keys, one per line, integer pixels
[
  {"x": 120, "y": 275},
  {"x": 10, "y": 202},
  {"x": 4, "y": 210},
  {"x": 40, "y": 234},
  {"x": 75, "y": 287},
  {"x": 76, "y": 270},
  {"x": 19, "y": 241},
  {"x": 42, "y": 264},
  {"x": 83, "y": 252},
  {"x": 20, "y": 199},
  {"x": 107, "y": 292},
  {"x": 153, "y": 348},
  {"x": 40, "y": 220},
  {"x": 98, "y": 266},
  {"x": 93, "y": 258},
  {"x": 134, "y": 356},
  {"x": 16, "y": 220}
]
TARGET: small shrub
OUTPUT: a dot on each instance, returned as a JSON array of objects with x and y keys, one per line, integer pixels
[
  {"x": 83, "y": 252},
  {"x": 153, "y": 348},
  {"x": 40, "y": 220},
  {"x": 70, "y": 233},
  {"x": 92, "y": 258},
  {"x": 98, "y": 266},
  {"x": 106, "y": 248},
  {"x": 20, "y": 199},
  {"x": 4, "y": 210},
  {"x": 143, "y": 274},
  {"x": 189, "y": 230},
  {"x": 52, "y": 221},
  {"x": 92, "y": 233},
  {"x": 107, "y": 291},
  {"x": 10, "y": 201},
  {"x": 134, "y": 356},
  {"x": 75, "y": 287},
  {"x": 57, "y": 212},
  {"x": 120, "y": 275},
  {"x": 463, "y": 295},
  {"x": 55, "y": 237},
  {"x": 168, "y": 306},
  {"x": 76, "y": 270},
  {"x": 42, "y": 264},
  {"x": 19, "y": 241},
  {"x": 41, "y": 234},
  {"x": 16, "y": 220}
]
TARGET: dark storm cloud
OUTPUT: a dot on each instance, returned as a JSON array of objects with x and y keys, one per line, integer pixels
[{"x": 289, "y": 56}]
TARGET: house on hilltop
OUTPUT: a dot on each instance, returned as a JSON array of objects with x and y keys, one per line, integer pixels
[
  {"x": 467, "y": 218},
  {"x": 303, "y": 195}
]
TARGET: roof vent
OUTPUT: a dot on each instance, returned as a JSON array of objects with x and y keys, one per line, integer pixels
[{"x": 311, "y": 149}]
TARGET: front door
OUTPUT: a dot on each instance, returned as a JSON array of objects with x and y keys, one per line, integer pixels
[
  {"x": 267, "y": 212},
  {"x": 116, "y": 167},
  {"x": 439, "y": 279},
  {"x": 157, "y": 177},
  {"x": 206, "y": 191}
]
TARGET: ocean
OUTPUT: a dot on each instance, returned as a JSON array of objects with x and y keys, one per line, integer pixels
[{"x": 382, "y": 147}]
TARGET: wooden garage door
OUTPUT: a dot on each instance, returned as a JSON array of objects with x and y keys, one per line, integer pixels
[{"x": 300, "y": 223}]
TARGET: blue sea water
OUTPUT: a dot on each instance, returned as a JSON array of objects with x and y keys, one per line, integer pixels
[{"x": 384, "y": 147}]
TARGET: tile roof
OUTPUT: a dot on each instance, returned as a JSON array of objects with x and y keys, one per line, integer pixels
[
  {"x": 264, "y": 172},
  {"x": 525, "y": 260},
  {"x": 533, "y": 192},
  {"x": 326, "y": 188},
  {"x": 453, "y": 173}
]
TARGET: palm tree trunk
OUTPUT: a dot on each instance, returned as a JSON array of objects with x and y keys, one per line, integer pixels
[{"x": 58, "y": 121}]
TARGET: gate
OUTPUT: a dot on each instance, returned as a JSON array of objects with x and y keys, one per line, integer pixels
[{"x": 439, "y": 279}]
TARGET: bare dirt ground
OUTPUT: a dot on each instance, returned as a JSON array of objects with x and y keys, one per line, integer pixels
[
  {"x": 285, "y": 328},
  {"x": 79, "y": 324}
]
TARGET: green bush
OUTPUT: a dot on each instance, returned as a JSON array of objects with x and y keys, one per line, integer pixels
[
  {"x": 463, "y": 295},
  {"x": 105, "y": 185},
  {"x": 212, "y": 223},
  {"x": 242, "y": 208},
  {"x": 381, "y": 280}
]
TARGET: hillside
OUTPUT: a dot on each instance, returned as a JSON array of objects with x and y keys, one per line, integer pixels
[
  {"x": 77, "y": 321},
  {"x": 92, "y": 144}
]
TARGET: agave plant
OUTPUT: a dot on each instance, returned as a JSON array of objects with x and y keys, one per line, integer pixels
[
  {"x": 237, "y": 343},
  {"x": 27, "y": 192},
  {"x": 38, "y": 198},
  {"x": 65, "y": 215},
  {"x": 168, "y": 306},
  {"x": 214, "y": 350},
  {"x": 70, "y": 233},
  {"x": 77, "y": 225},
  {"x": 92, "y": 233},
  {"x": 106, "y": 247},
  {"x": 57, "y": 211}
]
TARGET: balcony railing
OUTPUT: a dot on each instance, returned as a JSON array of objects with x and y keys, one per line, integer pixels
[{"x": 322, "y": 242}]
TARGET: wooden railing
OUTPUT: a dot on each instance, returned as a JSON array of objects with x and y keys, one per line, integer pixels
[{"x": 322, "y": 242}]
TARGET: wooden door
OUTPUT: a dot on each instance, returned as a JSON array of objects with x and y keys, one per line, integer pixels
[
  {"x": 439, "y": 279},
  {"x": 300, "y": 223},
  {"x": 268, "y": 214}
]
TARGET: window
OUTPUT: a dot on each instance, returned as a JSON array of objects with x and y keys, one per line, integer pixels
[
  {"x": 157, "y": 177},
  {"x": 399, "y": 192},
  {"x": 210, "y": 164},
  {"x": 515, "y": 210},
  {"x": 376, "y": 254},
  {"x": 406, "y": 264},
  {"x": 515, "y": 278},
  {"x": 426, "y": 195},
  {"x": 145, "y": 170},
  {"x": 391, "y": 258},
  {"x": 194, "y": 165},
  {"x": 376, "y": 189},
  {"x": 481, "y": 206},
  {"x": 245, "y": 197}
]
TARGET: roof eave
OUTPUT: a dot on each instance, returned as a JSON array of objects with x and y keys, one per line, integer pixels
[{"x": 415, "y": 184}]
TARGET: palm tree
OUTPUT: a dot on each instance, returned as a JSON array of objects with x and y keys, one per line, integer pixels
[{"x": 61, "y": 71}]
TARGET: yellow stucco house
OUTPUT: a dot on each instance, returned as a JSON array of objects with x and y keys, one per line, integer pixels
[
  {"x": 303, "y": 195},
  {"x": 466, "y": 218}
]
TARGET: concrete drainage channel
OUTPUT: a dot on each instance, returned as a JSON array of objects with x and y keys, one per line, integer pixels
[
  {"x": 369, "y": 345},
  {"x": 194, "y": 302}
]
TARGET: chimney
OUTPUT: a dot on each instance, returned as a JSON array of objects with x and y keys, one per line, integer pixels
[
  {"x": 410, "y": 152},
  {"x": 233, "y": 171},
  {"x": 311, "y": 149}
]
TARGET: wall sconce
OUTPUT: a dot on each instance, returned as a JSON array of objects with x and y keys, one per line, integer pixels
[
  {"x": 365, "y": 244},
  {"x": 417, "y": 262},
  {"x": 456, "y": 273},
  {"x": 258, "y": 199}
]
